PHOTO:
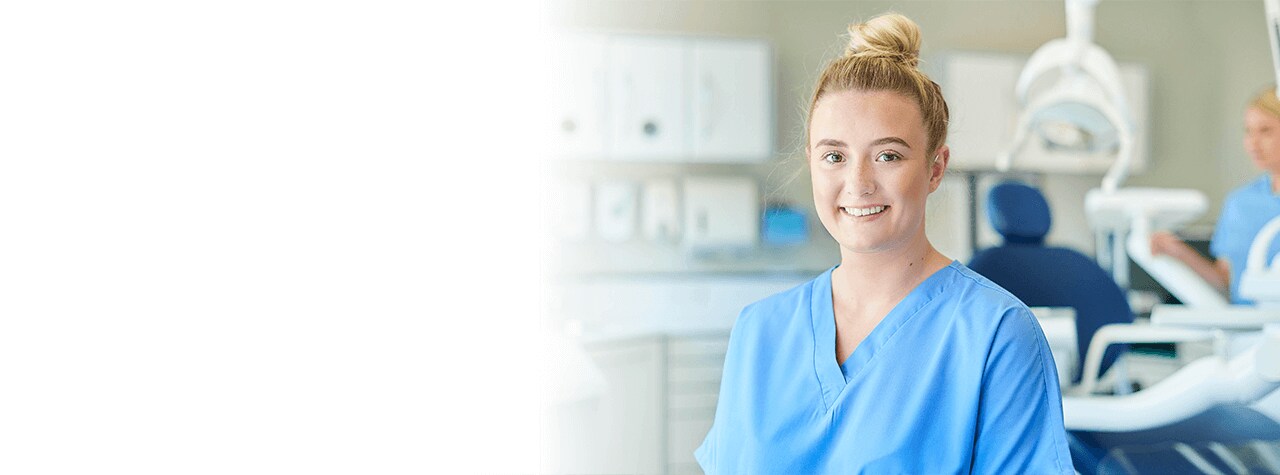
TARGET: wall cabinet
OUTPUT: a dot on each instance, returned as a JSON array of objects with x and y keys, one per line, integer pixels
[
  {"x": 663, "y": 99},
  {"x": 732, "y": 113},
  {"x": 577, "y": 102},
  {"x": 647, "y": 98}
]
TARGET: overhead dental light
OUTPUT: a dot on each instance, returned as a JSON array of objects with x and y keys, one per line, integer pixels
[
  {"x": 1074, "y": 108},
  {"x": 1073, "y": 104}
]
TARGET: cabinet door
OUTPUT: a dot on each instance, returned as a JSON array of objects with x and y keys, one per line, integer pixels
[
  {"x": 647, "y": 99},
  {"x": 578, "y": 119},
  {"x": 620, "y": 431},
  {"x": 732, "y": 85}
]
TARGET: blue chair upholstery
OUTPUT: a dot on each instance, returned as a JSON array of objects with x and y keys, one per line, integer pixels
[
  {"x": 1233, "y": 431},
  {"x": 1043, "y": 276}
]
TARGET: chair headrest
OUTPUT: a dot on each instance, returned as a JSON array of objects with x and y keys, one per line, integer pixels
[{"x": 1019, "y": 213}]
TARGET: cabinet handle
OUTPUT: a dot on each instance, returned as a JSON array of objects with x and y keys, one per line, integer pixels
[{"x": 650, "y": 128}]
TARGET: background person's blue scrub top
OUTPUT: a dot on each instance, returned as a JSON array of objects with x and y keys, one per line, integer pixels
[
  {"x": 1245, "y": 211},
  {"x": 957, "y": 378}
]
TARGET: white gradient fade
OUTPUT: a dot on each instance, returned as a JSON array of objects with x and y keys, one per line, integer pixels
[{"x": 269, "y": 237}]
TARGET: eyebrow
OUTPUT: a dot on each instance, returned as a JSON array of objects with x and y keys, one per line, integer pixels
[{"x": 879, "y": 141}]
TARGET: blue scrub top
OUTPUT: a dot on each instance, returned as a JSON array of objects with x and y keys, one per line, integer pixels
[
  {"x": 1244, "y": 213},
  {"x": 957, "y": 378}
]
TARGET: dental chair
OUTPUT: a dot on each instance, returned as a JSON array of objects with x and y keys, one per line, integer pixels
[
  {"x": 1046, "y": 276},
  {"x": 1224, "y": 438},
  {"x": 1198, "y": 419}
]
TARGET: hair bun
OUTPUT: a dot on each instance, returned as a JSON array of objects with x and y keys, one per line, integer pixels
[{"x": 889, "y": 36}]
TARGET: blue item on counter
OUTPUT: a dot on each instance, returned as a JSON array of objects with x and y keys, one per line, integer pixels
[{"x": 784, "y": 226}]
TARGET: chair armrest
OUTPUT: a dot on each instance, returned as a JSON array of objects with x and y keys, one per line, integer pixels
[
  {"x": 1118, "y": 333},
  {"x": 1204, "y": 383},
  {"x": 1235, "y": 317}
]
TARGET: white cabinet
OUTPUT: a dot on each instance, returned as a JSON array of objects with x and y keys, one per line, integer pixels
[
  {"x": 663, "y": 99},
  {"x": 578, "y": 116},
  {"x": 630, "y": 422},
  {"x": 647, "y": 96},
  {"x": 732, "y": 108},
  {"x": 658, "y": 405}
]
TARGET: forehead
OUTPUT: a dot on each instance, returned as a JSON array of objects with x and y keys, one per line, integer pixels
[
  {"x": 866, "y": 115},
  {"x": 1258, "y": 117}
]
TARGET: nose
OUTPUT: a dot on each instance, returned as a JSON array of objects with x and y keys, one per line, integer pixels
[{"x": 861, "y": 180}]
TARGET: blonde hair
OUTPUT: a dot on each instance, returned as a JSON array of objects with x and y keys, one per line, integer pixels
[
  {"x": 1267, "y": 101},
  {"x": 882, "y": 55}
]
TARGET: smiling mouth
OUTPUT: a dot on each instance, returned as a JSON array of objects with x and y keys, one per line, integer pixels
[{"x": 860, "y": 212}]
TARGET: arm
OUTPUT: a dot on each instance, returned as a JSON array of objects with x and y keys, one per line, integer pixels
[
  {"x": 1216, "y": 272},
  {"x": 1020, "y": 428}
]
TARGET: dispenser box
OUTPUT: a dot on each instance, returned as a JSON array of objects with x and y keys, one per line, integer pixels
[
  {"x": 721, "y": 213},
  {"x": 617, "y": 210}
]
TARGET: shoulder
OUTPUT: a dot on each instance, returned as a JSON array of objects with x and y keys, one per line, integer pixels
[
  {"x": 986, "y": 304},
  {"x": 1258, "y": 188},
  {"x": 1244, "y": 210},
  {"x": 970, "y": 287},
  {"x": 777, "y": 308}
]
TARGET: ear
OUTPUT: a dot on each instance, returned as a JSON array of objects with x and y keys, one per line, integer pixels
[{"x": 939, "y": 167}]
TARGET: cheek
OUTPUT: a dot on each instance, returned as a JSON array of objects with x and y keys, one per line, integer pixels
[
  {"x": 915, "y": 184},
  {"x": 823, "y": 183}
]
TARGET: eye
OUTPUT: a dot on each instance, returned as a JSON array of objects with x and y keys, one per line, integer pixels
[
  {"x": 832, "y": 157},
  {"x": 888, "y": 157}
]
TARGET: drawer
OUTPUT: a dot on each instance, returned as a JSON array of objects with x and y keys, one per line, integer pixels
[
  {"x": 683, "y": 437},
  {"x": 683, "y": 374},
  {"x": 710, "y": 360},
  {"x": 686, "y": 402},
  {"x": 698, "y": 347}
]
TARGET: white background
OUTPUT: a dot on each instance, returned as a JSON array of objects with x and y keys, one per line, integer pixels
[{"x": 231, "y": 239}]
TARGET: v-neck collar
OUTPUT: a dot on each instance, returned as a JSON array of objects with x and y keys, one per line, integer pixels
[{"x": 834, "y": 378}]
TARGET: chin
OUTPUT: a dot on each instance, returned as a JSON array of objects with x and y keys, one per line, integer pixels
[{"x": 865, "y": 246}]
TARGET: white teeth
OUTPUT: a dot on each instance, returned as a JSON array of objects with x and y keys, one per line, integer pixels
[{"x": 863, "y": 211}]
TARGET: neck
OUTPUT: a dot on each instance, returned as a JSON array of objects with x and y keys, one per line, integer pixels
[
  {"x": 885, "y": 276},
  {"x": 1275, "y": 183}
]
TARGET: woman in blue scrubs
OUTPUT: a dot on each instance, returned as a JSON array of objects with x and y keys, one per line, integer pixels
[
  {"x": 899, "y": 359},
  {"x": 1246, "y": 209}
]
